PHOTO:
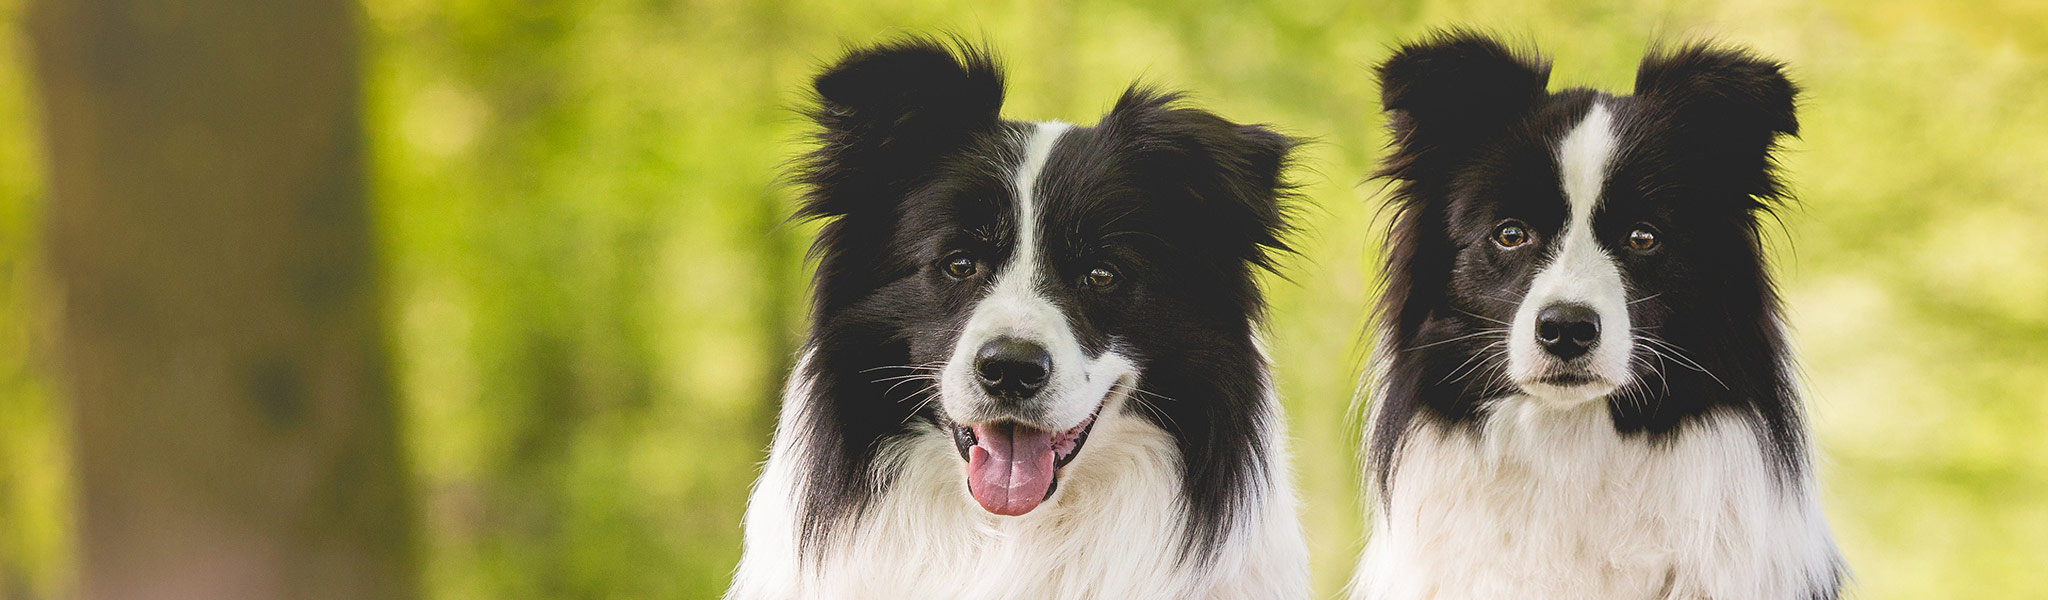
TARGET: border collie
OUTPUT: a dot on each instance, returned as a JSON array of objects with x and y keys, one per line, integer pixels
[
  {"x": 1582, "y": 384},
  {"x": 1032, "y": 370}
]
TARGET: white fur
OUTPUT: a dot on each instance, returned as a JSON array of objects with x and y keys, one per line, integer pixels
[
  {"x": 1545, "y": 502},
  {"x": 1112, "y": 529},
  {"x": 1580, "y": 271}
]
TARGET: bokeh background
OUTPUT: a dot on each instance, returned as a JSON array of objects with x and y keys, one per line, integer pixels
[{"x": 593, "y": 294}]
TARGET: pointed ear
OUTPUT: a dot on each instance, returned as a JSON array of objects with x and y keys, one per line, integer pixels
[
  {"x": 1232, "y": 171},
  {"x": 885, "y": 113},
  {"x": 1729, "y": 106},
  {"x": 1450, "y": 92}
]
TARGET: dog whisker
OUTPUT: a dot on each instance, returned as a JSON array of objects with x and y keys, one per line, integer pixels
[
  {"x": 1678, "y": 355},
  {"x": 1501, "y": 331},
  {"x": 934, "y": 383},
  {"x": 1482, "y": 353},
  {"x": 1485, "y": 318}
]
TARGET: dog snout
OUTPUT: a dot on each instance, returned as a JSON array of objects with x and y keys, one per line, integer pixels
[
  {"x": 1568, "y": 330},
  {"x": 1012, "y": 369}
]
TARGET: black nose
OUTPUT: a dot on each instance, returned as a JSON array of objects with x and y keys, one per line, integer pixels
[
  {"x": 1568, "y": 330},
  {"x": 1011, "y": 368}
]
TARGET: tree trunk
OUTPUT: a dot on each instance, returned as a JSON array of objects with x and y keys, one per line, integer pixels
[{"x": 220, "y": 330}]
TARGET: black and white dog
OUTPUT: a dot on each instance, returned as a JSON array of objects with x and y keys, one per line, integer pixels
[
  {"x": 1032, "y": 370},
  {"x": 1582, "y": 387}
]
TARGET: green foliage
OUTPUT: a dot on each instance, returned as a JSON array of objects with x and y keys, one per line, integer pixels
[{"x": 596, "y": 296}]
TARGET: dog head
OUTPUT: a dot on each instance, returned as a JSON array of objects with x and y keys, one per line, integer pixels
[
  {"x": 1010, "y": 284},
  {"x": 1576, "y": 246}
]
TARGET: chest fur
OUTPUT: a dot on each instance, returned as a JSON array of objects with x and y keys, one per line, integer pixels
[
  {"x": 1103, "y": 531},
  {"x": 1113, "y": 530},
  {"x": 1546, "y": 503}
]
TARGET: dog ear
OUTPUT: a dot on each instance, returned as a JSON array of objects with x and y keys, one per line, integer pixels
[
  {"x": 1233, "y": 172},
  {"x": 1446, "y": 94},
  {"x": 1729, "y": 106},
  {"x": 886, "y": 112}
]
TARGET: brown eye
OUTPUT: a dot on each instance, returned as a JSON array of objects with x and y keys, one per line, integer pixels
[
  {"x": 1511, "y": 234},
  {"x": 1100, "y": 277},
  {"x": 1642, "y": 239},
  {"x": 961, "y": 266}
]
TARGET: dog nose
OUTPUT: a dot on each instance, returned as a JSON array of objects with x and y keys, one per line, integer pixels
[
  {"x": 1012, "y": 368},
  {"x": 1568, "y": 330}
]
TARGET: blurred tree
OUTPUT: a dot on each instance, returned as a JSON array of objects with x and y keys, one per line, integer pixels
[{"x": 220, "y": 331}]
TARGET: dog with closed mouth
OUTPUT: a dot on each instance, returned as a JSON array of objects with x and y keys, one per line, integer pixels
[
  {"x": 1581, "y": 386},
  {"x": 1032, "y": 370}
]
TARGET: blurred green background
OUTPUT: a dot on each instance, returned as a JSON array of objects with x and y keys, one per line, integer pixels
[{"x": 594, "y": 295}]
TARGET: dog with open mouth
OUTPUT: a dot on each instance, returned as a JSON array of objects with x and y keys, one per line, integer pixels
[
  {"x": 1032, "y": 370},
  {"x": 1581, "y": 386}
]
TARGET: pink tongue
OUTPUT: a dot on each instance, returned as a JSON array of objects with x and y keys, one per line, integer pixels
[{"x": 1010, "y": 468}]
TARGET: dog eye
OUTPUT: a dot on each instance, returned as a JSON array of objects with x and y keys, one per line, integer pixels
[
  {"x": 1511, "y": 234},
  {"x": 1100, "y": 277},
  {"x": 960, "y": 265},
  {"x": 1642, "y": 239}
]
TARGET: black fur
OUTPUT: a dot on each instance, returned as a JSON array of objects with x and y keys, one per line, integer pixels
[
  {"x": 1473, "y": 131},
  {"x": 913, "y": 164}
]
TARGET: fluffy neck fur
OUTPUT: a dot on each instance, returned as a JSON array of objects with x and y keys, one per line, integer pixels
[
  {"x": 1537, "y": 502},
  {"x": 1112, "y": 530}
]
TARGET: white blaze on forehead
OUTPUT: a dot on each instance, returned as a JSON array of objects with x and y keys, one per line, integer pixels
[
  {"x": 1579, "y": 270},
  {"x": 1582, "y": 163},
  {"x": 1038, "y": 144},
  {"x": 1016, "y": 307}
]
